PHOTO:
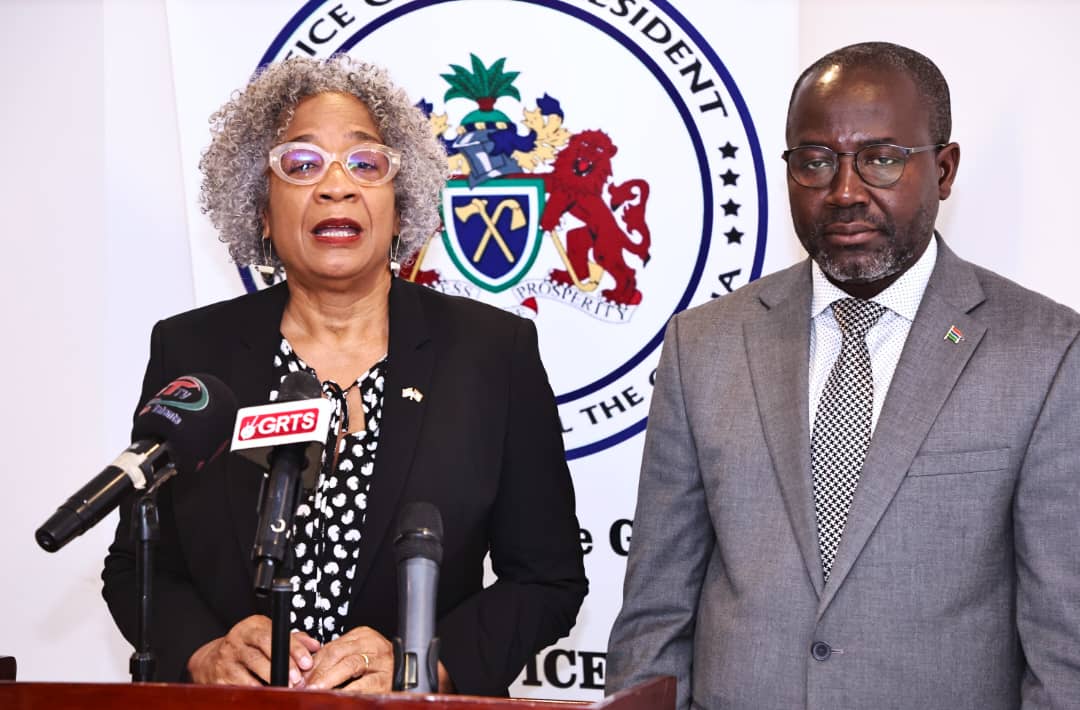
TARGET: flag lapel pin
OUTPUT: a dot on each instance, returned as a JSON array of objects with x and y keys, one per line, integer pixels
[{"x": 954, "y": 335}]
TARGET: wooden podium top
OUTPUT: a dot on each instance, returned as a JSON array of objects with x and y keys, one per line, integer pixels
[{"x": 655, "y": 695}]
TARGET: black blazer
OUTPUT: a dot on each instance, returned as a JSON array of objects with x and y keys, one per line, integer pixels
[{"x": 484, "y": 446}]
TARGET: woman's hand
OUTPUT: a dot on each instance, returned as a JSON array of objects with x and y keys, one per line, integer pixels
[
  {"x": 361, "y": 660},
  {"x": 242, "y": 656}
]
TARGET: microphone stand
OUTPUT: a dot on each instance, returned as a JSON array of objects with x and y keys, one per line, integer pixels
[
  {"x": 273, "y": 554},
  {"x": 273, "y": 574},
  {"x": 280, "y": 606},
  {"x": 146, "y": 532}
]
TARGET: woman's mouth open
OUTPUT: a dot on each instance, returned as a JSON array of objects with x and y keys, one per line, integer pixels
[{"x": 337, "y": 230}]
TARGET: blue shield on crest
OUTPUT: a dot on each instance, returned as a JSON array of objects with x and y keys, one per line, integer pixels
[{"x": 492, "y": 231}]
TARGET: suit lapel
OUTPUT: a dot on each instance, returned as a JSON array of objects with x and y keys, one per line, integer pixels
[
  {"x": 258, "y": 330},
  {"x": 411, "y": 360},
  {"x": 925, "y": 376},
  {"x": 778, "y": 345}
]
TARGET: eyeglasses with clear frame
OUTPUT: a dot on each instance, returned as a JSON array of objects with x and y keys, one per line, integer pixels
[
  {"x": 369, "y": 164},
  {"x": 879, "y": 165}
]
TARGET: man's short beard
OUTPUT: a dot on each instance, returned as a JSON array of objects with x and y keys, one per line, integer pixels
[
  {"x": 868, "y": 267},
  {"x": 895, "y": 256}
]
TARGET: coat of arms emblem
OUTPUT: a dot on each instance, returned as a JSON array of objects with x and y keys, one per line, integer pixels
[{"x": 513, "y": 184}]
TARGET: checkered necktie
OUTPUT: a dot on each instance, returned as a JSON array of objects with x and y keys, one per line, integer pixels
[{"x": 842, "y": 424}]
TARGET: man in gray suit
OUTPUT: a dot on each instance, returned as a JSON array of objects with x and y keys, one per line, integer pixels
[{"x": 861, "y": 480}]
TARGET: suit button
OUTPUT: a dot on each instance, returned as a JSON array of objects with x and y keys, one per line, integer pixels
[{"x": 820, "y": 651}]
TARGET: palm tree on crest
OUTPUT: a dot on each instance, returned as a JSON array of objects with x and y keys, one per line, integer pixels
[{"x": 484, "y": 85}]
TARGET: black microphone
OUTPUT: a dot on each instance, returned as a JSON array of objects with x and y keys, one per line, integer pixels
[
  {"x": 418, "y": 549},
  {"x": 289, "y": 436},
  {"x": 183, "y": 426}
]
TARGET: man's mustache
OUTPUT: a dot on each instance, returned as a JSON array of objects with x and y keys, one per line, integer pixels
[{"x": 855, "y": 213}]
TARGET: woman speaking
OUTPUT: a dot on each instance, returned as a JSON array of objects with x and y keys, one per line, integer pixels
[{"x": 325, "y": 169}]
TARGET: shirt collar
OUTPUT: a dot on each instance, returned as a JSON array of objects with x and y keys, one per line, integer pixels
[{"x": 902, "y": 296}]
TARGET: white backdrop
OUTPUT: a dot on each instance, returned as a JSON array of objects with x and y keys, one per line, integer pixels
[{"x": 96, "y": 231}]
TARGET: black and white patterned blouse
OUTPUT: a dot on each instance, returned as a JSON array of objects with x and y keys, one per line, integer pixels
[{"x": 330, "y": 519}]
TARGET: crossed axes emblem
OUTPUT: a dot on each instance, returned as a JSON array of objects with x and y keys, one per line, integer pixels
[{"x": 479, "y": 207}]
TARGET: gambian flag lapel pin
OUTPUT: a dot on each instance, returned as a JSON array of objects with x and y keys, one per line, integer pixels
[{"x": 954, "y": 335}]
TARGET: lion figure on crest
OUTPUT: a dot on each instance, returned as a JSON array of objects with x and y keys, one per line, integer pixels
[{"x": 576, "y": 185}]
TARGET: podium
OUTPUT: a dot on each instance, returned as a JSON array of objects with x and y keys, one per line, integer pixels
[{"x": 658, "y": 694}]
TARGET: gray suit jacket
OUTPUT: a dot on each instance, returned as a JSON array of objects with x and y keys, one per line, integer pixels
[{"x": 957, "y": 581}]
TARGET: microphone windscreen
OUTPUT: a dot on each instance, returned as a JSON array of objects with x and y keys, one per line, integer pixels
[
  {"x": 419, "y": 532},
  {"x": 299, "y": 385},
  {"x": 194, "y": 414}
]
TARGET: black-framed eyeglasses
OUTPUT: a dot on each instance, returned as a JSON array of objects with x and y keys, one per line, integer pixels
[{"x": 879, "y": 165}]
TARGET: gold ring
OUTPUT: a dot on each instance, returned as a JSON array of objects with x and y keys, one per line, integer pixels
[{"x": 367, "y": 662}]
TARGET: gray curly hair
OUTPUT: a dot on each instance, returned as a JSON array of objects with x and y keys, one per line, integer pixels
[{"x": 235, "y": 186}]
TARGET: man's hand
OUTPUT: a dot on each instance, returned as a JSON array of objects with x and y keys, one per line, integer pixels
[{"x": 242, "y": 657}]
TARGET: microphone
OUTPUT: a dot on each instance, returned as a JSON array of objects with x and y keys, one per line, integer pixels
[
  {"x": 286, "y": 439},
  {"x": 181, "y": 428},
  {"x": 418, "y": 549}
]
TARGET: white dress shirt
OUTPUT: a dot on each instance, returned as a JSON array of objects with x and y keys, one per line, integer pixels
[{"x": 885, "y": 340}]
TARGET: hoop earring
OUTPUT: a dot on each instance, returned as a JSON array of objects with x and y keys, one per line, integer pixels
[
  {"x": 267, "y": 270},
  {"x": 395, "y": 265}
]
